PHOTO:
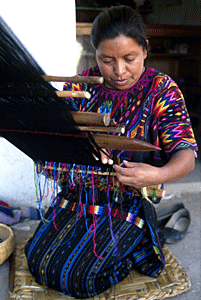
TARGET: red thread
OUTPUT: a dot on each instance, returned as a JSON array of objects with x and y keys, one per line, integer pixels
[
  {"x": 55, "y": 226},
  {"x": 80, "y": 135}
]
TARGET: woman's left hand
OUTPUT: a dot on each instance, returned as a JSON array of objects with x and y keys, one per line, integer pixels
[
  {"x": 136, "y": 174},
  {"x": 140, "y": 175}
]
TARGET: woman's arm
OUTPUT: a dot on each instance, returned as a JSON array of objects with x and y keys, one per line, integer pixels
[{"x": 140, "y": 175}]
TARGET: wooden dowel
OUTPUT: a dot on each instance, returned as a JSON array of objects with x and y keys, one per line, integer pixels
[
  {"x": 155, "y": 187},
  {"x": 101, "y": 119},
  {"x": 11, "y": 272},
  {"x": 122, "y": 143},
  {"x": 43, "y": 168},
  {"x": 158, "y": 193},
  {"x": 84, "y": 79},
  {"x": 149, "y": 188},
  {"x": 76, "y": 94},
  {"x": 45, "y": 93},
  {"x": 152, "y": 191},
  {"x": 106, "y": 129}
]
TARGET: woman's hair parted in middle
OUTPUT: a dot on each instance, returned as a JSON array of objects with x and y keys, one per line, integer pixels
[{"x": 116, "y": 21}]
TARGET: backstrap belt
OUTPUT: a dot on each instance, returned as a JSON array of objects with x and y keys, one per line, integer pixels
[{"x": 103, "y": 211}]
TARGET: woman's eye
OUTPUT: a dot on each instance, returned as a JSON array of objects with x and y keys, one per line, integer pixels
[
  {"x": 129, "y": 59},
  {"x": 107, "y": 61}
]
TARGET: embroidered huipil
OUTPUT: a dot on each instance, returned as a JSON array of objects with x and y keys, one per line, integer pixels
[
  {"x": 91, "y": 238},
  {"x": 153, "y": 110}
]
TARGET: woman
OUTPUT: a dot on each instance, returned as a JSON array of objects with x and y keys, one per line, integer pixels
[{"x": 83, "y": 253}]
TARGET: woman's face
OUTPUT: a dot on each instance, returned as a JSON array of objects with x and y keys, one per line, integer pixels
[{"x": 121, "y": 62}]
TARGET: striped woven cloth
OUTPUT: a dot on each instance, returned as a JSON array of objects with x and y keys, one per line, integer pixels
[{"x": 103, "y": 211}]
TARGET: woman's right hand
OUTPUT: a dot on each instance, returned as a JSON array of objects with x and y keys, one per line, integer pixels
[{"x": 105, "y": 158}]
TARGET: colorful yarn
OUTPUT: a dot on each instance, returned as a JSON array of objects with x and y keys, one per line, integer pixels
[
  {"x": 155, "y": 94},
  {"x": 94, "y": 216},
  {"x": 104, "y": 227},
  {"x": 103, "y": 211},
  {"x": 110, "y": 220}
]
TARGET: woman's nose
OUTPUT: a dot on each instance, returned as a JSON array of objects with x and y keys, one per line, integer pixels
[{"x": 119, "y": 68}]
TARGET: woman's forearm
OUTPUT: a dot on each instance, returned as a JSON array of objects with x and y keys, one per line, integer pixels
[
  {"x": 140, "y": 174},
  {"x": 181, "y": 163}
]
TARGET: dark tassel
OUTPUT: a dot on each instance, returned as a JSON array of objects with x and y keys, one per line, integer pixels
[{"x": 32, "y": 117}]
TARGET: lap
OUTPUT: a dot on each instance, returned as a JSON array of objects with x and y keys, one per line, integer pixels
[{"x": 79, "y": 255}]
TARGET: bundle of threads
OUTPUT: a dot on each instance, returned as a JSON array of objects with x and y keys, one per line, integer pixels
[
  {"x": 82, "y": 183},
  {"x": 50, "y": 176}
]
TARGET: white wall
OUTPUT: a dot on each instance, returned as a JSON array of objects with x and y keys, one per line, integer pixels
[{"x": 47, "y": 29}]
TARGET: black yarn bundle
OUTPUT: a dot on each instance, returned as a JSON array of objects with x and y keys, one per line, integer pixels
[{"x": 32, "y": 117}]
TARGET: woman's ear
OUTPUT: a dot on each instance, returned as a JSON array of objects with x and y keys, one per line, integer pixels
[{"x": 146, "y": 50}]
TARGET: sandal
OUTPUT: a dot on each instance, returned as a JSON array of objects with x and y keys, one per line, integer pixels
[
  {"x": 177, "y": 226},
  {"x": 164, "y": 214}
]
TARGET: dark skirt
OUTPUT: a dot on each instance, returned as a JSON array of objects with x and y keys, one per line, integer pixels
[{"x": 83, "y": 255}]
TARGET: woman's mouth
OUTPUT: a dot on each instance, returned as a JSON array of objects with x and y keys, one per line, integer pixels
[{"x": 121, "y": 82}]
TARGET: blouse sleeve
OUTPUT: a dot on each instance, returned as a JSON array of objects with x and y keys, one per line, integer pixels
[{"x": 174, "y": 125}]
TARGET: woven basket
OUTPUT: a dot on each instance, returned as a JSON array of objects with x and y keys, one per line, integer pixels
[
  {"x": 173, "y": 281},
  {"x": 7, "y": 246}
]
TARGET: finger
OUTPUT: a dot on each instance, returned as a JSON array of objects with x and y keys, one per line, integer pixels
[
  {"x": 129, "y": 164},
  {"x": 105, "y": 158},
  {"x": 126, "y": 180},
  {"x": 120, "y": 171},
  {"x": 96, "y": 158},
  {"x": 117, "y": 168}
]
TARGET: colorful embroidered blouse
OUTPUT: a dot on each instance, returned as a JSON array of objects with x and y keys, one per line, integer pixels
[{"x": 152, "y": 110}]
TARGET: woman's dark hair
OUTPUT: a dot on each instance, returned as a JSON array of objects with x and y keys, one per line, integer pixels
[{"x": 116, "y": 21}]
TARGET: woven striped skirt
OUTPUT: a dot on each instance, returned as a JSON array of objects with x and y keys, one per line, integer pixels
[{"x": 83, "y": 254}]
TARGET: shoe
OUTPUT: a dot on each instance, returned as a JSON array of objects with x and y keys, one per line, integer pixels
[
  {"x": 177, "y": 226},
  {"x": 164, "y": 214}
]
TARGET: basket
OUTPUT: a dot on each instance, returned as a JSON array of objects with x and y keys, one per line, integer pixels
[
  {"x": 172, "y": 282},
  {"x": 7, "y": 246}
]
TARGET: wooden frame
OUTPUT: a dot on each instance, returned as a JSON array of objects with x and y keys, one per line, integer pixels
[{"x": 153, "y": 30}]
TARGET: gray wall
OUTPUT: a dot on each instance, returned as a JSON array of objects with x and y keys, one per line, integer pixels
[{"x": 188, "y": 13}]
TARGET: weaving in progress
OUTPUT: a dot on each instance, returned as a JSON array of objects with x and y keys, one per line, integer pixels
[
  {"x": 100, "y": 223},
  {"x": 33, "y": 117}
]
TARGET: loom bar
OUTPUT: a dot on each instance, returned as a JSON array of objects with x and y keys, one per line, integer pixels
[
  {"x": 159, "y": 193},
  {"x": 122, "y": 143},
  {"x": 76, "y": 94},
  {"x": 82, "y": 79},
  {"x": 11, "y": 272},
  {"x": 106, "y": 129},
  {"x": 101, "y": 119}
]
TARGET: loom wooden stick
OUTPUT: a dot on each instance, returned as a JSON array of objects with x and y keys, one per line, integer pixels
[
  {"x": 83, "y": 79},
  {"x": 152, "y": 191},
  {"x": 155, "y": 187},
  {"x": 106, "y": 141},
  {"x": 122, "y": 143},
  {"x": 106, "y": 129},
  {"x": 101, "y": 119},
  {"x": 76, "y": 94},
  {"x": 63, "y": 169},
  {"x": 159, "y": 193},
  {"x": 11, "y": 272}
]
